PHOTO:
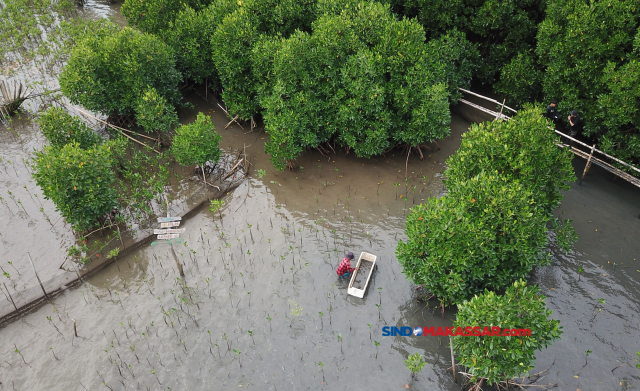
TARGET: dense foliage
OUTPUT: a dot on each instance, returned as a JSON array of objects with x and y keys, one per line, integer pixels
[
  {"x": 92, "y": 182},
  {"x": 235, "y": 38},
  {"x": 60, "y": 129},
  {"x": 156, "y": 16},
  {"x": 80, "y": 182},
  {"x": 107, "y": 73},
  {"x": 503, "y": 358},
  {"x": 361, "y": 77},
  {"x": 521, "y": 149},
  {"x": 501, "y": 29},
  {"x": 154, "y": 114},
  {"x": 197, "y": 142},
  {"x": 484, "y": 236},
  {"x": 491, "y": 228},
  {"x": 586, "y": 58}
]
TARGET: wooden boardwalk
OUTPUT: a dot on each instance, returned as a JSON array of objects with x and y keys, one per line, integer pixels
[{"x": 589, "y": 156}]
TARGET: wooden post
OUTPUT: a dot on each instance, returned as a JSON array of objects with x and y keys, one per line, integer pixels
[
  {"x": 588, "y": 166},
  {"x": 453, "y": 362},
  {"x": 38, "y": 277},
  {"x": 177, "y": 261},
  {"x": 501, "y": 108},
  {"x": 12, "y": 302}
]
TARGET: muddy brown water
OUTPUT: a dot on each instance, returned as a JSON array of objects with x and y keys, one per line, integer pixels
[
  {"x": 260, "y": 305},
  {"x": 268, "y": 266},
  {"x": 362, "y": 274}
]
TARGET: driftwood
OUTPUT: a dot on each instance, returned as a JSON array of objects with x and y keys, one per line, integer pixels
[
  {"x": 112, "y": 126},
  {"x": 233, "y": 169},
  {"x": 234, "y": 119}
]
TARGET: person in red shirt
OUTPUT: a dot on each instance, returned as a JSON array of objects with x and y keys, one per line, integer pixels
[{"x": 345, "y": 269}]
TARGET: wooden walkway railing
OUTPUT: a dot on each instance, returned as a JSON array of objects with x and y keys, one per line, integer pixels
[{"x": 589, "y": 156}]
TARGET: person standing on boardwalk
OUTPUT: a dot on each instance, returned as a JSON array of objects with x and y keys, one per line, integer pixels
[
  {"x": 574, "y": 122},
  {"x": 552, "y": 112},
  {"x": 345, "y": 269}
]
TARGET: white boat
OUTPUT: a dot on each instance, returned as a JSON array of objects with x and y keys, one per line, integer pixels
[{"x": 361, "y": 276}]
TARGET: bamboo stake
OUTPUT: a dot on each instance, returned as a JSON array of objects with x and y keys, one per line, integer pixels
[
  {"x": 12, "y": 302},
  {"x": 177, "y": 261},
  {"x": 453, "y": 362},
  {"x": 501, "y": 108},
  {"x": 588, "y": 166},
  {"x": 38, "y": 277},
  {"x": 115, "y": 127},
  {"x": 234, "y": 120}
]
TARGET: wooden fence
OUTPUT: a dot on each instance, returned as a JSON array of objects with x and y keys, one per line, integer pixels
[{"x": 589, "y": 156}]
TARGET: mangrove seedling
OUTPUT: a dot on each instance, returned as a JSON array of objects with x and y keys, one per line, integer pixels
[
  {"x": 261, "y": 173},
  {"x": 269, "y": 319},
  {"x": 377, "y": 345},
  {"x": 321, "y": 322},
  {"x": 237, "y": 352},
  {"x": 414, "y": 363},
  {"x": 587, "y": 353},
  {"x": 340, "y": 339},
  {"x": 322, "y": 369},
  {"x": 251, "y": 334}
]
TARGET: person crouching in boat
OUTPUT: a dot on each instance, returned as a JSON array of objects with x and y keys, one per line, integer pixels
[{"x": 345, "y": 269}]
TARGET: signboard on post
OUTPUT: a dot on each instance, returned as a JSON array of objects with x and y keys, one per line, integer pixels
[
  {"x": 170, "y": 224},
  {"x": 168, "y": 236},
  {"x": 166, "y": 219},
  {"x": 169, "y": 231}
]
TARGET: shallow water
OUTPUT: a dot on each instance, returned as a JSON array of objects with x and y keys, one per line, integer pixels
[{"x": 139, "y": 326}]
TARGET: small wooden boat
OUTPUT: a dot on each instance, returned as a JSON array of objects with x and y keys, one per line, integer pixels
[{"x": 361, "y": 276}]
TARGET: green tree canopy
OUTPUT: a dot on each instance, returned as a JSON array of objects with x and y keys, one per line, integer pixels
[
  {"x": 197, "y": 142},
  {"x": 60, "y": 129},
  {"x": 491, "y": 228},
  {"x": 363, "y": 77},
  {"x": 590, "y": 60},
  {"x": 80, "y": 182},
  {"x": 107, "y": 73},
  {"x": 235, "y": 38},
  {"x": 501, "y": 29},
  {"x": 521, "y": 149},
  {"x": 486, "y": 235},
  {"x": 497, "y": 359},
  {"x": 157, "y": 16},
  {"x": 153, "y": 113}
]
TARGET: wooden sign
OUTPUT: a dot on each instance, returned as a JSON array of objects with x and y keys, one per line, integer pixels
[
  {"x": 168, "y": 236},
  {"x": 165, "y": 219},
  {"x": 170, "y": 224},
  {"x": 170, "y": 241},
  {"x": 169, "y": 231}
]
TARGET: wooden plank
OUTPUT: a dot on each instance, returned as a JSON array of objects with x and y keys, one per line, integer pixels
[
  {"x": 168, "y": 236},
  {"x": 484, "y": 109},
  {"x": 165, "y": 219},
  {"x": 169, "y": 231},
  {"x": 353, "y": 291},
  {"x": 170, "y": 224},
  {"x": 487, "y": 98}
]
